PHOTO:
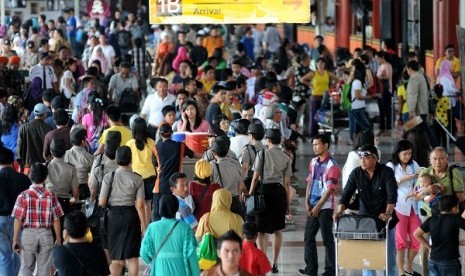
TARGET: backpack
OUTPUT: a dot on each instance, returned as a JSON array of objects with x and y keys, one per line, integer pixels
[
  {"x": 124, "y": 40},
  {"x": 346, "y": 98},
  {"x": 128, "y": 101}
]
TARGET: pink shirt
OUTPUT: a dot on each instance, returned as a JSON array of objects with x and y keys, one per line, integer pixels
[
  {"x": 203, "y": 127},
  {"x": 88, "y": 122}
]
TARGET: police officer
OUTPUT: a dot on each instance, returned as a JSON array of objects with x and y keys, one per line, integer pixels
[
  {"x": 62, "y": 177},
  {"x": 81, "y": 159},
  {"x": 249, "y": 152},
  {"x": 212, "y": 134},
  {"x": 227, "y": 172},
  {"x": 276, "y": 179}
]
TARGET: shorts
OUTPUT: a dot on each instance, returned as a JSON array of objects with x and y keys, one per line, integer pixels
[{"x": 148, "y": 187}]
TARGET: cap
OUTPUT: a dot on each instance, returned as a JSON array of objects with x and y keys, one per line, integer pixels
[
  {"x": 58, "y": 145},
  {"x": 45, "y": 55},
  {"x": 58, "y": 103},
  {"x": 215, "y": 131},
  {"x": 6, "y": 42},
  {"x": 256, "y": 66},
  {"x": 40, "y": 109},
  {"x": 367, "y": 150},
  {"x": 78, "y": 134},
  {"x": 165, "y": 128},
  {"x": 3, "y": 60},
  {"x": 15, "y": 60},
  {"x": 273, "y": 133},
  {"x": 221, "y": 145},
  {"x": 31, "y": 44},
  {"x": 256, "y": 129},
  {"x": 203, "y": 169}
]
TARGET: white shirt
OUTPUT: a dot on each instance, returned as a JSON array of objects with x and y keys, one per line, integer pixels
[
  {"x": 237, "y": 144},
  {"x": 153, "y": 106},
  {"x": 251, "y": 87},
  {"x": 117, "y": 85},
  {"x": 38, "y": 71},
  {"x": 107, "y": 51},
  {"x": 404, "y": 206},
  {"x": 67, "y": 75},
  {"x": 356, "y": 104}
]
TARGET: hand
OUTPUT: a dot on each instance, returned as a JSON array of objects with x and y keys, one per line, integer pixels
[
  {"x": 337, "y": 215},
  {"x": 315, "y": 211},
  {"x": 411, "y": 115},
  {"x": 384, "y": 216},
  {"x": 16, "y": 248},
  {"x": 58, "y": 241},
  {"x": 288, "y": 211},
  {"x": 308, "y": 209},
  {"x": 184, "y": 117},
  {"x": 244, "y": 196}
]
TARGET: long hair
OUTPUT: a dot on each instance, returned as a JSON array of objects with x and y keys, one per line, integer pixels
[
  {"x": 9, "y": 118},
  {"x": 166, "y": 65},
  {"x": 198, "y": 119},
  {"x": 97, "y": 108},
  {"x": 140, "y": 133},
  {"x": 402, "y": 145},
  {"x": 360, "y": 73},
  {"x": 421, "y": 145}
]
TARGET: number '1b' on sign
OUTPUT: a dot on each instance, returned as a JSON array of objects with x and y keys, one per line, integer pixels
[{"x": 169, "y": 7}]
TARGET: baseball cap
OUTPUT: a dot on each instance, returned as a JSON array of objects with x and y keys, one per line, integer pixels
[
  {"x": 40, "y": 109},
  {"x": 273, "y": 133},
  {"x": 367, "y": 150}
]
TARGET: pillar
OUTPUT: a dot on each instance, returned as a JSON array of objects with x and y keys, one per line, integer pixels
[
  {"x": 2, "y": 12},
  {"x": 344, "y": 22},
  {"x": 436, "y": 30},
  {"x": 375, "y": 19},
  {"x": 462, "y": 13}
]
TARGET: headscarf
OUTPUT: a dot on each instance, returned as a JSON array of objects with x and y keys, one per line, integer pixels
[
  {"x": 181, "y": 56},
  {"x": 36, "y": 89},
  {"x": 445, "y": 70},
  {"x": 169, "y": 205}
]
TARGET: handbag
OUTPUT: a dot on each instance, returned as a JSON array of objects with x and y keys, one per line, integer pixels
[
  {"x": 148, "y": 269},
  {"x": 255, "y": 203},
  {"x": 100, "y": 213},
  {"x": 360, "y": 227},
  {"x": 206, "y": 251}
]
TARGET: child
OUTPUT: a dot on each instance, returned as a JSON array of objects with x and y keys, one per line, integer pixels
[
  {"x": 426, "y": 200},
  {"x": 253, "y": 260},
  {"x": 180, "y": 188},
  {"x": 444, "y": 230}
]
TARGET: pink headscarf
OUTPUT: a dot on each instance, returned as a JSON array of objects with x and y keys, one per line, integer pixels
[
  {"x": 182, "y": 55},
  {"x": 445, "y": 70}
]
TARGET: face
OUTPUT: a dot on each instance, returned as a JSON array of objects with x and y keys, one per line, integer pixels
[
  {"x": 230, "y": 254},
  {"x": 191, "y": 87},
  {"x": 321, "y": 65},
  {"x": 438, "y": 160},
  {"x": 318, "y": 147},
  {"x": 210, "y": 75},
  {"x": 220, "y": 96},
  {"x": 450, "y": 53},
  {"x": 224, "y": 125},
  {"x": 181, "y": 98},
  {"x": 236, "y": 68},
  {"x": 162, "y": 88},
  {"x": 199, "y": 40},
  {"x": 190, "y": 112},
  {"x": 405, "y": 156},
  {"x": 73, "y": 67},
  {"x": 170, "y": 118},
  {"x": 182, "y": 188},
  {"x": 124, "y": 73},
  {"x": 277, "y": 116},
  {"x": 183, "y": 68},
  {"x": 182, "y": 38},
  {"x": 64, "y": 54},
  {"x": 306, "y": 62},
  {"x": 368, "y": 162},
  {"x": 229, "y": 97},
  {"x": 91, "y": 85},
  {"x": 424, "y": 181},
  {"x": 102, "y": 39},
  {"x": 248, "y": 114},
  {"x": 213, "y": 32}
]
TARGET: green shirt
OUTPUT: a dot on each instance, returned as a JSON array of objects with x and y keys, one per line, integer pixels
[{"x": 445, "y": 180}]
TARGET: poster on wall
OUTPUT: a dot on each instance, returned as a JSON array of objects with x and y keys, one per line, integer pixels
[
  {"x": 98, "y": 9},
  {"x": 461, "y": 44}
]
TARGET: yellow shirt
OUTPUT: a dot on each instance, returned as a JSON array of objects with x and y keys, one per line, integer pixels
[
  {"x": 142, "y": 159},
  {"x": 320, "y": 83},
  {"x": 207, "y": 85},
  {"x": 442, "y": 108},
  {"x": 125, "y": 134},
  {"x": 402, "y": 92},
  {"x": 455, "y": 64}
]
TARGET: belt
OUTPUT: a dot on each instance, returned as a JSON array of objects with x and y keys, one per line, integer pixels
[{"x": 121, "y": 207}]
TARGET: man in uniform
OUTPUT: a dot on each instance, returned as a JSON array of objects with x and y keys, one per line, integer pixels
[
  {"x": 45, "y": 72},
  {"x": 249, "y": 152},
  {"x": 81, "y": 159},
  {"x": 322, "y": 184}
]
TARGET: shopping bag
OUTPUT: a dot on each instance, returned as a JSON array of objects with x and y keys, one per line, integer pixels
[
  {"x": 372, "y": 108},
  {"x": 207, "y": 252}
]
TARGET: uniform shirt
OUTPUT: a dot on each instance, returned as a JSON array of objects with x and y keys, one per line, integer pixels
[
  {"x": 126, "y": 134},
  {"x": 82, "y": 161},
  {"x": 227, "y": 173},
  {"x": 11, "y": 185},
  {"x": 38, "y": 71},
  {"x": 37, "y": 207},
  {"x": 277, "y": 165},
  {"x": 127, "y": 187},
  {"x": 62, "y": 177},
  {"x": 117, "y": 85},
  {"x": 249, "y": 153},
  {"x": 253, "y": 259},
  {"x": 153, "y": 106},
  {"x": 208, "y": 155},
  {"x": 101, "y": 166},
  {"x": 142, "y": 159}
]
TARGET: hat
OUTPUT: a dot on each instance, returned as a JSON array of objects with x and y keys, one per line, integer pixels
[
  {"x": 165, "y": 128},
  {"x": 58, "y": 103},
  {"x": 77, "y": 135},
  {"x": 256, "y": 66},
  {"x": 256, "y": 129},
  {"x": 6, "y": 42},
  {"x": 215, "y": 131},
  {"x": 40, "y": 109},
  {"x": 31, "y": 44},
  {"x": 273, "y": 133},
  {"x": 3, "y": 60},
  {"x": 221, "y": 145},
  {"x": 203, "y": 169},
  {"x": 58, "y": 145},
  {"x": 15, "y": 60},
  {"x": 367, "y": 150},
  {"x": 45, "y": 55}
]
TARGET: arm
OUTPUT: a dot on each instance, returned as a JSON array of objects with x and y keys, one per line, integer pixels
[
  {"x": 255, "y": 178},
  {"x": 307, "y": 194},
  {"x": 307, "y": 78},
  {"x": 100, "y": 149},
  {"x": 369, "y": 78},
  {"x": 419, "y": 235},
  {"x": 287, "y": 184},
  {"x": 57, "y": 230},
  {"x": 141, "y": 213},
  {"x": 334, "y": 78},
  {"x": 16, "y": 228},
  {"x": 412, "y": 97},
  {"x": 358, "y": 95}
]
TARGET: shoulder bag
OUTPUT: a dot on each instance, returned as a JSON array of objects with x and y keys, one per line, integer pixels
[
  {"x": 206, "y": 252},
  {"x": 148, "y": 270},
  {"x": 255, "y": 203},
  {"x": 101, "y": 212}
]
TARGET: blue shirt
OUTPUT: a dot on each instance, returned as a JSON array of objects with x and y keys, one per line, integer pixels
[
  {"x": 10, "y": 140},
  {"x": 71, "y": 23}
]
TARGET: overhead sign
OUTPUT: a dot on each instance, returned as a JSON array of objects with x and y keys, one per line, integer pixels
[{"x": 228, "y": 11}]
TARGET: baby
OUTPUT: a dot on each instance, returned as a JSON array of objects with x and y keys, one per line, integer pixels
[{"x": 419, "y": 193}]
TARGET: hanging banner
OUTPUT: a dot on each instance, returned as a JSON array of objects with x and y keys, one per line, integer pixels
[{"x": 228, "y": 11}]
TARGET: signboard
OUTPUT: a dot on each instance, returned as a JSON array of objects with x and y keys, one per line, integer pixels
[
  {"x": 461, "y": 44},
  {"x": 228, "y": 11}
]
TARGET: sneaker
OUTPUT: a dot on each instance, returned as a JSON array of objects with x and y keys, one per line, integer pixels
[
  {"x": 413, "y": 273},
  {"x": 302, "y": 272},
  {"x": 274, "y": 269}
]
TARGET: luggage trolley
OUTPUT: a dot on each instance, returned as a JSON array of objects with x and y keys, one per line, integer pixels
[
  {"x": 358, "y": 246},
  {"x": 331, "y": 120}
]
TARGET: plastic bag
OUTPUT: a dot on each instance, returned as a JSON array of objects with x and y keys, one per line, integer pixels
[{"x": 207, "y": 252}]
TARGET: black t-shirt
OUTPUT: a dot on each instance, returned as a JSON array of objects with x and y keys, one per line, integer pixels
[
  {"x": 91, "y": 256},
  {"x": 213, "y": 112},
  {"x": 444, "y": 230},
  {"x": 11, "y": 185}
]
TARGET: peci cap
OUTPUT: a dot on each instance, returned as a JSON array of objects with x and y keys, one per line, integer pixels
[
  {"x": 273, "y": 133},
  {"x": 40, "y": 109},
  {"x": 203, "y": 169},
  {"x": 58, "y": 145},
  {"x": 368, "y": 150}
]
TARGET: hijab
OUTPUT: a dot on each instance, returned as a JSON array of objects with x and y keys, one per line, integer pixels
[
  {"x": 169, "y": 206},
  {"x": 181, "y": 56},
  {"x": 445, "y": 70}
]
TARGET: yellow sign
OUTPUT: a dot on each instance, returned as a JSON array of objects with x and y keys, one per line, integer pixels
[{"x": 228, "y": 11}]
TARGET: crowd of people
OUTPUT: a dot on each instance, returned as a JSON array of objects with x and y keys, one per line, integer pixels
[{"x": 91, "y": 113}]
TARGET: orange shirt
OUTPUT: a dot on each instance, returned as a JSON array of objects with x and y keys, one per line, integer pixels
[{"x": 211, "y": 43}]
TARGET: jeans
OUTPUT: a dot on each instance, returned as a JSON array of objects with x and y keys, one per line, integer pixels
[
  {"x": 445, "y": 268},
  {"x": 9, "y": 261},
  {"x": 358, "y": 121},
  {"x": 392, "y": 266},
  {"x": 324, "y": 222},
  {"x": 313, "y": 125},
  {"x": 385, "y": 110}
]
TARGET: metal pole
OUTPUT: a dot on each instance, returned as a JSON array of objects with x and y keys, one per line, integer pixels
[{"x": 2, "y": 12}]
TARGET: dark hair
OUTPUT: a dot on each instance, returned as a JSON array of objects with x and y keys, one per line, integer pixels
[
  {"x": 114, "y": 113},
  {"x": 364, "y": 137},
  {"x": 302, "y": 57},
  {"x": 61, "y": 117},
  {"x": 249, "y": 230},
  {"x": 182, "y": 91},
  {"x": 323, "y": 138},
  {"x": 75, "y": 224},
  {"x": 413, "y": 64},
  {"x": 237, "y": 61},
  {"x": 247, "y": 106},
  {"x": 157, "y": 80},
  {"x": 447, "y": 202},
  {"x": 381, "y": 54},
  {"x": 96, "y": 106},
  {"x": 87, "y": 80},
  {"x": 140, "y": 133},
  {"x": 38, "y": 173},
  {"x": 8, "y": 119},
  {"x": 198, "y": 118},
  {"x": 270, "y": 83},
  {"x": 138, "y": 42},
  {"x": 225, "y": 74},
  {"x": 123, "y": 156},
  {"x": 402, "y": 145},
  {"x": 365, "y": 59},
  {"x": 125, "y": 64},
  {"x": 411, "y": 54},
  {"x": 186, "y": 81},
  {"x": 166, "y": 65},
  {"x": 242, "y": 126},
  {"x": 174, "y": 178},
  {"x": 274, "y": 140},
  {"x": 449, "y": 46},
  {"x": 229, "y": 236},
  {"x": 359, "y": 73},
  {"x": 168, "y": 206},
  {"x": 6, "y": 156},
  {"x": 421, "y": 145},
  {"x": 218, "y": 54}
]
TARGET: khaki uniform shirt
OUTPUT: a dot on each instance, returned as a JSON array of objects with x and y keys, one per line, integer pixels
[
  {"x": 97, "y": 174},
  {"x": 231, "y": 174},
  {"x": 62, "y": 178},
  {"x": 82, "y": 161},
  {"x": 277, "y": 165},
  {"x": 248, "y": 154},
  {"x": 126, "y": 188}
]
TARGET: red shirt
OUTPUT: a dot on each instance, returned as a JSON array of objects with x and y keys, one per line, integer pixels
[
  {"x": 37, "y": 207},
  {"x": 253, "y": 259},
  {"x": 195, "y": 189}
]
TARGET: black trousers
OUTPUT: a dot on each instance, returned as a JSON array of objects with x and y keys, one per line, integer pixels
[{"x": 385, "y": 110}]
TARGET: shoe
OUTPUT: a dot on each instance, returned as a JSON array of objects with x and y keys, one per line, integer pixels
[
  {"x": 413, "y": 273},
  {"x": 302, "y": 272},
  {"x": 274, "y": 269}
]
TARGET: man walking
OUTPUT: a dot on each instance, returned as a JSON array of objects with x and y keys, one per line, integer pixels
[{"x": 322, "y": 184}]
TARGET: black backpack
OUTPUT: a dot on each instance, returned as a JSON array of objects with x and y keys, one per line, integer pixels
[{"x": 128, "y": 101}]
